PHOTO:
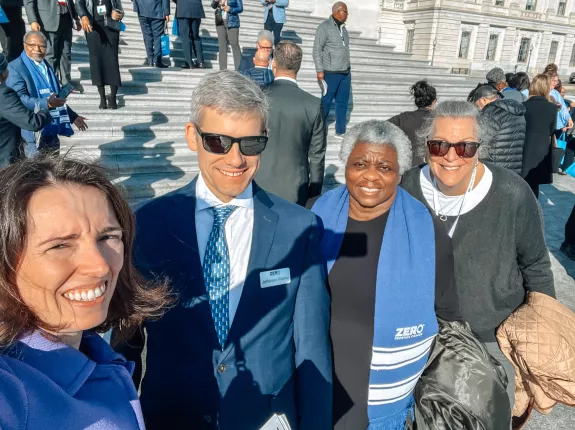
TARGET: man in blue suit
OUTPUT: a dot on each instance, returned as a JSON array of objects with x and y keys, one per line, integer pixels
[
  {"x": 249, "y": 336},
  {"x": 154, "y": 15},
  {"x": 189, "y": 14},
  {"x": 275, "y": 17}
]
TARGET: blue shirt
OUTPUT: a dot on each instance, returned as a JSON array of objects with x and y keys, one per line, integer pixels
[
  {"x": 49, "y": 385},
  {"x": 563, "y": 116}
]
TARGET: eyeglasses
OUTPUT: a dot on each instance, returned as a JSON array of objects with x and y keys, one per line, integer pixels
[
  {"x": 221, "y": 144},
  {"x": 440, "y": 148},
  {"x": 35, "y": 46}
]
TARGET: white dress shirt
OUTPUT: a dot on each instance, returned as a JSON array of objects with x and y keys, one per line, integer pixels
[
  {"x": 238, "y": 233},
  {"x": 285, "y": 78}
]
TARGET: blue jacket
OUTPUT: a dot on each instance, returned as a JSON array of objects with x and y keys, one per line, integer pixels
[
  {"x": 48, "y": 385},
  {"x": 158, "y": 9},
  {"x": 260, "y": 75},
  {"x": 236, "y": 7},
  {"x": 277, "y": 355},
  {"x": 189, "y": 9},
  {"x": 279, "y": 10},
  {"x": 20, "y": 80}
]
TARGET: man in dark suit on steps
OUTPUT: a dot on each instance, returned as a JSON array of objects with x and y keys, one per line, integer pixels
[
  {"x": 293, "y": 163},
  {"x": 189, "y": 14},
  {"x": 154, "y": 15},
  {"x": 12, "y": 32}
]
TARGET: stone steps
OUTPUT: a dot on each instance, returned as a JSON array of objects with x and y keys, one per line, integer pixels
[{"x": 143, "y": 145}]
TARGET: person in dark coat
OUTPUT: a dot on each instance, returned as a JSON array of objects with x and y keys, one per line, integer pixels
[
  {"x": 540, "y": 117},
  {"x": 293, "y": 163},
  {"x": 154, "y": 16},
  {"x": 189, "y": 14},
  {"x": 506, "y": 120},
  {"x": 103, "y": 36},
  {"x": 14, "y": 30},
  {"x": 15, "y": 116},
  {"x": 410, "y": 122}
]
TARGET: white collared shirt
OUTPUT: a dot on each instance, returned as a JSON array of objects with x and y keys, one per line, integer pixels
[
  {"x": 238, "y": 232},
  {"x": 285, "y": 78}
]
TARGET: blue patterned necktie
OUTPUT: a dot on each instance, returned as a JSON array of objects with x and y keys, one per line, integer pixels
[{"x": 217, "y": 271}]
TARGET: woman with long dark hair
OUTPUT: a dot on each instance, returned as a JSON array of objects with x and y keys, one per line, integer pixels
[
  {"x": 101, "y": 24},
  {"x": 66, "y": 275},
  {"x": 521, "y": 83}
]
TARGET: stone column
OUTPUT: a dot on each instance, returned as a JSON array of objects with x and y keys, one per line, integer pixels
[{"x": 363, "y": 14}]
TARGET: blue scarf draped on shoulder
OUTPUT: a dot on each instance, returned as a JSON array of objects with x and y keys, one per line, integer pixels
[
  {"x": 405, "y": 323},
  {"x": 60, "y": 125}
]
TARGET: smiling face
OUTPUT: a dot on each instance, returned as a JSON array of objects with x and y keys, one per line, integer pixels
[
  {"x": 453, "y": 173},
  {"x": 72, "y": 257},
  {"x": 372, "y": 176},
  {"x": 226, "y": 175}
]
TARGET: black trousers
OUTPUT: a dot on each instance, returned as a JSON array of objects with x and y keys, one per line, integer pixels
[
  {"x": 274, "y": 27},
  {"x": 12, "y": 33},
  {"x": 570, "y": 228},
  {"x": 153, "y": 29},
  {"x": 189, "y": 29},
  {"x": 59, "y": 52}
]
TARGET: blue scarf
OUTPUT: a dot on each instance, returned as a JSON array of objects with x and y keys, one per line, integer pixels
[
  {"x": 60, "y": 125},
  {"x": 405, "y": 323}
]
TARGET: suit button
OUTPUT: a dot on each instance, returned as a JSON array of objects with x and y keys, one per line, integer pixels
[{"x": 222, "y": 368}]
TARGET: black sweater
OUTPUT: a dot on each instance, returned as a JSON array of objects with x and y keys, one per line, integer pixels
[{"x": 499, "y": 250}]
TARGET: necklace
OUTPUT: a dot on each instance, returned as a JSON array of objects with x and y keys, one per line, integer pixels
[{"x": 439, "y": 209}]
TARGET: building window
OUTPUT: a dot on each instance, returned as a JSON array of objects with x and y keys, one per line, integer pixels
[
  {"x": 492, "y": 47},
  {"x": 553, "y": 52},
  {"x": 524, "y": 50},
  {"x": 499, "y": 2},
  {"x": 409, "y": 40},
  {"x": 572, "y": 61},
  {"x": 561, "y": 8},
  {"x": 531, "y": 5},
  {"x": 464, "y": 45}
]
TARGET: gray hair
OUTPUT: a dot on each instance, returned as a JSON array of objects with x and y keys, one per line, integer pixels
[
  {"x": 229, "y": 93},
  {"x": 377, "y": 132},
  {"x": 337, "y": 6},
  {"x": 495, "y": 75},
  {"x": 31, "y": 33},
  {"x": 455, "y": 109},
  {"x": 266, "y": 35}
]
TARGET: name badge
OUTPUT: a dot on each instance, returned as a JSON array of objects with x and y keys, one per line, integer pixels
[
  {"x": 275, "y": 277},
  {"x": 101, "y": 9}
]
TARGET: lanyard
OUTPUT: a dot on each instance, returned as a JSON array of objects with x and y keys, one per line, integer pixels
[
  {"x": 341, "y": 34},
  {"x": 436, "y": 205}
]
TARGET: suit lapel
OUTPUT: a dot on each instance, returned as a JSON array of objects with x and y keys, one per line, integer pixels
[
  {"x": 265, "y": 224},
  {"x": 183, "y": 228}
]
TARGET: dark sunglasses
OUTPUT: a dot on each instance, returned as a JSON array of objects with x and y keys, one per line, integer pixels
[
  {"x": 221, "y": 144},
  {"x": 440, "y": 148}
]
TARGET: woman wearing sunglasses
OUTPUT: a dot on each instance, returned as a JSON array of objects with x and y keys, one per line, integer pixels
[{"x": 492, "y": 217}]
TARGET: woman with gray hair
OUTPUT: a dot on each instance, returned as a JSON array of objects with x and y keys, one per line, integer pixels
[
  {"x": 381, "y": 246},
  {"x": 492, "y": 217}
]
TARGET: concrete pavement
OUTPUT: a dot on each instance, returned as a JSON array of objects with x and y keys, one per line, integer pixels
[{"x": 557, "y": 200}]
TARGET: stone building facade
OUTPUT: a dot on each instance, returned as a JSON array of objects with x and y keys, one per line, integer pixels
[{"x": 472, "y": 36}]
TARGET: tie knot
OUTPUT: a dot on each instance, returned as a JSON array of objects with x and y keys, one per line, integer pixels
[{"x": 222, "y": 213}]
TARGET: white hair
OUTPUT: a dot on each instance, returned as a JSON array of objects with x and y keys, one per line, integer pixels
[
  {"x": 377, "y": 132},
  {"x": 456, "y": 109},
  {"x": 34, "y": 33},
  {"x": 229, "y": 92},
  {"x": 266, "y": 35}
]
